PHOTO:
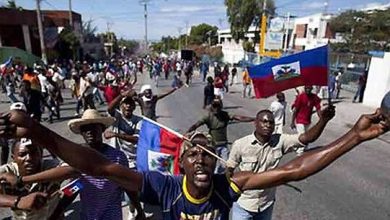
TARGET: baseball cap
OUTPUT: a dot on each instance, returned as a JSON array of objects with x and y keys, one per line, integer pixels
[{"x": 18, "y": 106}]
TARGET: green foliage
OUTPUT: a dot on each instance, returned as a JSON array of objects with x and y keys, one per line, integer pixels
[
  {"x": 248, "y": 46},
  {"x": 201, "y": 33},
  {"x": 11, "y": 4},
  {"x": 131, "y": 45},
  {"x": 362, "y": 31},
  {"x": 88, "y": 30},
  {"x": 68, "y": 43},
  {"x": 244, "y": 13}
]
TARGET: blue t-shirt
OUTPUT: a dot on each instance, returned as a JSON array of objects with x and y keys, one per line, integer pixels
[{"x": 176, "y": 203}]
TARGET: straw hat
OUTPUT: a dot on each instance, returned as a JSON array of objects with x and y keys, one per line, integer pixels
[{"x": 90, "y": 116}]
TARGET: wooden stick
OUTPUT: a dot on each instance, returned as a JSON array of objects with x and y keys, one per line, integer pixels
[
  {"x": 185, "y": 138},
  {"x": 208, "y": 151}
]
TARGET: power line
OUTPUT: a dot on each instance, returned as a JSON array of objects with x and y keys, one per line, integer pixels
[{"x": 49, "y": 4}]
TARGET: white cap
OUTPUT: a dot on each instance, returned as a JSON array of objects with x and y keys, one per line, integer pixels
[
  {"x": 18, "y": 106},
  {"x": 145, "y": 87},
  {"x": 25, "y": 141}
]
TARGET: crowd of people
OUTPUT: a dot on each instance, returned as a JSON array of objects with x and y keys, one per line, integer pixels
[{"x": 240, "y": 179}]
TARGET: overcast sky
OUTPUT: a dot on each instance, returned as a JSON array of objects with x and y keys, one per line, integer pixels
[{"x": 168, "y": 17}]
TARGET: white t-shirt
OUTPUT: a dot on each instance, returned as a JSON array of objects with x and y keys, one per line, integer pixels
[
  {"x": 279, "y": 111},
  {"x": 44, "y": 83},
  {"x": 178, "y": 66},
  {"x": 130, "y": 126},
  {"x": 83, "y": 87}
]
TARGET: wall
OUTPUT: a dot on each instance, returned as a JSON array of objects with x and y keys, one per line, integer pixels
[{"x": 378, "y": 82}]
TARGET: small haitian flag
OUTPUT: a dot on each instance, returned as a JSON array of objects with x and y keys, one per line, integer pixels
[
  {"x": 158, "y": 148},
  {"x": 7, "y": 64},
  {"x": 306, "y": 68},
  {"x": 72, "y": 188}
]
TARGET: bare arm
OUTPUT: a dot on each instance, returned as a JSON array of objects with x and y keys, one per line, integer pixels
[
  {"x": 368, "y": 127},
  {"x": 7, "y": 200},
  {"x": 72, "y": 153},
  {"x": 195, "y": 126},
  {"x": 127, "y": 137},
  {"x": 314, "y": 132},
  {"x": 241, "y": 118},
  {"x": 29, "y": 202},
  {"x": 115, "y": 103},
  {"x": 293, "y": 117},
  {"x": 55, "y": 174},
  {"x": 166, "y": 94}
]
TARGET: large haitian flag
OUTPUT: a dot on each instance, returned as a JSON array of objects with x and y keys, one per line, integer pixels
[
  {"x": 158, "y": 148},
  {"x": 306, "y": 68}
]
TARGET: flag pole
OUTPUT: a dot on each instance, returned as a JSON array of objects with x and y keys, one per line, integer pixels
[
  {"x": 329, "y": 72},
  {"x": 186, "y": 139}
]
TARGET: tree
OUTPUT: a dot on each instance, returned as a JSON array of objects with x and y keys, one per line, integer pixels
[
  {"x": 131, "y": 46},
  {"x": 248, "y": 46},
  {"x": 362, "y": 31},
  {"x": 68, "y": 44},
  {"x": 88, "y": 30},
  {"x": 244, "y": 13},
  {"x": 202, "y": 33},
  {"x": 11, "y": 4}
]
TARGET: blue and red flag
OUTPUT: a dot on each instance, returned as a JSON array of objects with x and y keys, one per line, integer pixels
[
  {"x": 306, "y": 68},
  {"x": 7, "y": 64},
  {"x": 72, "y": 188},
  {"x": 158, "y": 148}
]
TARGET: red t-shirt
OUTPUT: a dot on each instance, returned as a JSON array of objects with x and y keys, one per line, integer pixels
[
  {"x": 304, "y": 106},
  {"x": 110, "y": 92}
]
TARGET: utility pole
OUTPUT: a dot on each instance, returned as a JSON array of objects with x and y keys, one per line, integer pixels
[
  {"x": 179, "y": 29},
  {"x": 263, "y": 28},
  {"x": 286, "y": 32},
  {"x": 145, "y": 4},
  {"x": 186, "y": 34},
  {"x": 40, "y": 29},
  {"x": 326, "y": 5},
  {"x": 70, "y": 15}
]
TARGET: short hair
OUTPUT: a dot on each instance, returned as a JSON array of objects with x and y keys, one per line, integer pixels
[
  {"x": 16, "y": 143},
  {"x": 264, "y": 111}
]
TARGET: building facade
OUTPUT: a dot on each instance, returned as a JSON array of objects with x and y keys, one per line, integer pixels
[{"x": 311, "y": 31}]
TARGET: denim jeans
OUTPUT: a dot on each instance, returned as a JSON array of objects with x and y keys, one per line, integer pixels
[
  {"x": 239, "y": 213},
  {"x": 222, "y": 151}
]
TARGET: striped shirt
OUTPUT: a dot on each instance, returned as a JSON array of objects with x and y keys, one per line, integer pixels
[{"x": 101, "y": 198}]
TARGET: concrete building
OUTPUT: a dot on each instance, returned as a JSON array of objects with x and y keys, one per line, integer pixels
[
  {"x": 311, "y": 31},
  {"x": 19, "y": 28},
  {"x": 233, "y": 51}
]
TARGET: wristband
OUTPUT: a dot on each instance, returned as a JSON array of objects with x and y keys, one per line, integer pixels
[{"x": 16, "y": 202}]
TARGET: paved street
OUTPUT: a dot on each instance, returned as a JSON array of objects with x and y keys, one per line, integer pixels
[{"x": 355, "y": 187}]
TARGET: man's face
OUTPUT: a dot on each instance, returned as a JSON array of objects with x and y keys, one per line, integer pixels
[
  {"x": 216, "y": 106},
  {"x": 148, "y": 93},
  {"x": 92, "y": 134},
  {"x": 281, "y": 97},
  {"x": 199, "y": 167},
  {"x": 265, "y": 124},
  {"x": 127, "y": 108},
  {"x": 28, "y": 158},
  {"x": 308, "y": 89}
]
